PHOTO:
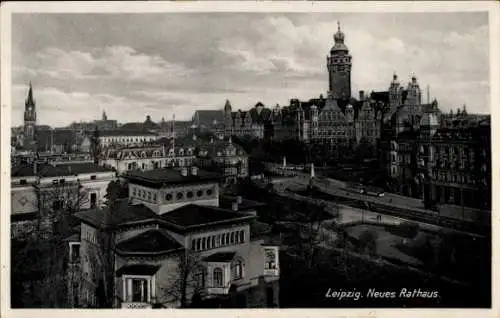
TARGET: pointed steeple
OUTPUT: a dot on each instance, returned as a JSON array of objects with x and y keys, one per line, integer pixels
[{"x": 30, "y": 102}]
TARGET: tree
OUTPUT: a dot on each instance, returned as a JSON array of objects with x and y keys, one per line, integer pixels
[
  {"x": 368, "y": 242},
  {"x": 308, "y": 227},
  {"x": 187, "y": 279},
  {"x": 39, "y": 257},
  {"x": 102, "y": 250},
  {"x": 95, "y": 146}
]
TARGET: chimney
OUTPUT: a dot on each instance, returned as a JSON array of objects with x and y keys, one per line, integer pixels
[
  {"x": 184, "y": 172},
  {"x": 235, "y": 206},
  {"x": 239, "y": 199},
  {"x": 361, "y": 95},
  {"x": 194, "y": 171}
]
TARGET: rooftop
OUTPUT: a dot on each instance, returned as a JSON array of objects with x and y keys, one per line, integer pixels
[
  {"x": 152, "y": 241},
  {"x": 124, "y": 213},
  {"x": 184, "y": 217},
  {"x": 137, "y": 269},
  {"x": 62, "y": 169},
  {"x": 125, "y": 132},
  {"x": 226, "y": 202},
  {"x": 193, "y": 215},
  {"x": 157, "y": 178}
]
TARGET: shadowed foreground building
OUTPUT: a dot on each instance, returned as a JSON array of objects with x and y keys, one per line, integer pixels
[{"x": 173, "y": 224}]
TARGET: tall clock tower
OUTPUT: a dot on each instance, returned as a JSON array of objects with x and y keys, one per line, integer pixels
[
  {"x": 339, "y": 65},
  {"x": 29, "y": 121}
]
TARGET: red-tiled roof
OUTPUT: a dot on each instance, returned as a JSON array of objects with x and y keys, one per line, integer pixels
[{"x": 152, "y": 241}]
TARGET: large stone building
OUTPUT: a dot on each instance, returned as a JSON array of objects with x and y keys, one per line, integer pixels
[
  {"x": 148, "y": 157},
  {"x": 41, "y": 187},
  {"x": 173, "y": 224},
  {"x": 337, "y": 119}
]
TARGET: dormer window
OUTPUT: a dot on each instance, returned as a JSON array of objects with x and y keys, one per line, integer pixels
[{"x": 22, "y": 181}]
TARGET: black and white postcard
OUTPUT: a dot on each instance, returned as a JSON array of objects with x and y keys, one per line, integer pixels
[{"x": 249, "y": 155}]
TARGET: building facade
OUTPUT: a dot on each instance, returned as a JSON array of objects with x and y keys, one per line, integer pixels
[
  {"x": 337, "y": 119},
  {"x": 42, "y": 187},
  {"x": 174, "y": 223}
]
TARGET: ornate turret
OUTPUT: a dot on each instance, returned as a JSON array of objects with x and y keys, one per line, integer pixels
[{"x": 339, "y": 64}]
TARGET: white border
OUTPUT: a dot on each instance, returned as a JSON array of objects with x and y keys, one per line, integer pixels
[{"x": 7, "y": 9}]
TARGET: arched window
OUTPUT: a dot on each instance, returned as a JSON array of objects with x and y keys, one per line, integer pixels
[
  {"x": 203, "y": 243},
  {"x": 213, "y": 242},
  {"x": 189, "y": 194},
  {"x": 149, "y": 195},
  {"x": 193, "y": 244},
  {"x": 168, "y": 196},
  {"x": 209, "y": 243},
  {"x": 237, "y": 269},
  {"x": 242, "y": 236},
  {"x": 231, "y": 240},
  {"x": 199, "y": 193},
  {"x": 209, "y": 192},
  {"x": 154, "y": 197},
  {"x": 218, "y": 280},
  {"x": 180, "y": 195},
  {"x": 227, "y": 238},
  {"x": 198, "y": 244}
]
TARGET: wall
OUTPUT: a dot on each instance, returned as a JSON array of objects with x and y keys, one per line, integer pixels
[{"x": 162, "y": 205}]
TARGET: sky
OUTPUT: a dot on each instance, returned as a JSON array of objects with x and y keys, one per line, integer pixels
[{"x": 161, "y": 64}]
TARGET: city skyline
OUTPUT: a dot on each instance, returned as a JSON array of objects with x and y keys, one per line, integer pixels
[{"x": 131, "y": 70}]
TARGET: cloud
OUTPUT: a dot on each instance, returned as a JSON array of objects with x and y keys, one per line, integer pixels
[
  {"x": 110, "y": 63},
  {"x": 131, "y": 70}
]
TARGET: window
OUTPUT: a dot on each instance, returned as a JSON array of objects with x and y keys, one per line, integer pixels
[
  {"x": 209, "y": 192},
  {"x": 242, "y": 236},
  {"x": 231, "y": 240},
  {"x": 227, "y": 238},
  {"x": 218, "y": 278},
  {"x": 203, "y": 243},
  {"x": 213, "y": 241},
  {"x": 180, "y": 195},
  {"x": 189, "y": 194},
  {"x": 93, "y": 200},
  {"x": 23, "y": 181},
  {"x": 237, "y": 270},
  {"x": 168, "y": 196},
  {"x": 270, "y": 258},
  {"x": 154, "y": 197},
  {"x": 193, "y": 244},
  {"x": 74, "y": 252},
  {"x": 93, "y": 177},
  {"x": 209, "y": 243},
  {"x": 198, "y": 244},
  {"x": 149, "y": 196},
  {"x": 199, "y": 193}
]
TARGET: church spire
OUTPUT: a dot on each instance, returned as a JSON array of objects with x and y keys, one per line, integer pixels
[{"x": 29, "y": 100}]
